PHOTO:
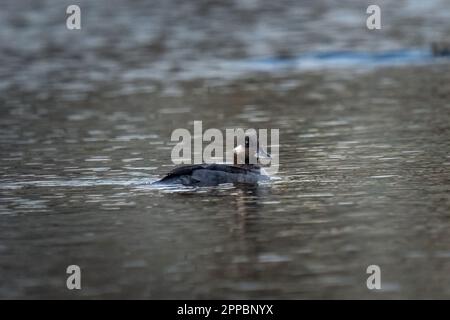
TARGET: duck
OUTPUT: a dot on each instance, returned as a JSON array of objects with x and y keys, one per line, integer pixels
[{"x": 249, "y": 172}]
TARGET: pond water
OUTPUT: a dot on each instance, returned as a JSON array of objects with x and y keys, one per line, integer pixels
[{"x": 364, "y": 173}]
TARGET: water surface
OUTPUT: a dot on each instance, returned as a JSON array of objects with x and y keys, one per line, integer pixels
[{"x": 364, "y": 160}]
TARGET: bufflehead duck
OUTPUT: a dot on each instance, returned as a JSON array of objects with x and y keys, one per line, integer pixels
[{"x": 203, "y": 175}]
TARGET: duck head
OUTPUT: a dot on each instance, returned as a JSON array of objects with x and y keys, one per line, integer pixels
[{"x": 250, "y": 152}]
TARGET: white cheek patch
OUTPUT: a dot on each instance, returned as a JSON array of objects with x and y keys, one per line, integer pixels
[{"x": 239, "y": 149}]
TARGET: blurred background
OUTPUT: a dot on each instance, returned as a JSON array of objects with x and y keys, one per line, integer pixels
[
  {"x": 85, "y": 123},
  {"x": 141, "y": 41}
]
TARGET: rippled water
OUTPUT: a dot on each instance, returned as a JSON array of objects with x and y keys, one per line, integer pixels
[{"x": 364, "y": 166}]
